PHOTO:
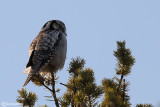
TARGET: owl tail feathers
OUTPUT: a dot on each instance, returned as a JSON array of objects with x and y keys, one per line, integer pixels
[
  {"x": 30, "y": 75},
  {"x": 27, "y": 81}
]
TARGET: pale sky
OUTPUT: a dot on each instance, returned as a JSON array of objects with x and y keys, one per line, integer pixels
[{"x": 93, "y": 27}]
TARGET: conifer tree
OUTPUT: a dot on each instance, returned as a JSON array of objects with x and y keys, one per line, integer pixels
[
  {"x": 116, "y": 89},
  {"x": 26, "y": 99},
  {"x": 111, "y": 99},
  {"x": 125, "y": 61},
  {"x": 82, "y": 90}
]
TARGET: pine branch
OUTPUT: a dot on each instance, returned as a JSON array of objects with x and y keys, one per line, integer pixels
[
  {"x": 63, "y": 84},
  {"x": 47, "y": 87}
]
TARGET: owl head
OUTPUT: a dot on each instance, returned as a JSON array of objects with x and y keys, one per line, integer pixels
[{"x": 54, "y": 25}]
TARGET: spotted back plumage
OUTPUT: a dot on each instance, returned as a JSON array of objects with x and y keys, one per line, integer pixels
[{"x": 48, "y": 50}]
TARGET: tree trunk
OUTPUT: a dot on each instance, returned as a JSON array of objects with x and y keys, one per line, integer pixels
[
  {"x": 119, "y": 85},
  {"x": 73, "y": 92},
  {"x": 53, "y": 90},
  {"x": 124, "y": 88},
  {"x": 72, "y": 101}
]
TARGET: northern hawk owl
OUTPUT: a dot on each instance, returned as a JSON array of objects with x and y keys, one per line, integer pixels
[{"x": 48, "y": 50}]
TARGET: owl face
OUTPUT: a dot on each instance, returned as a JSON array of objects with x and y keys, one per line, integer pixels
[{"x": 54, "y": 25}]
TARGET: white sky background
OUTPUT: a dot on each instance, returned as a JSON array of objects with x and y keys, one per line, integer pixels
[{"x": 93, "y": 27}]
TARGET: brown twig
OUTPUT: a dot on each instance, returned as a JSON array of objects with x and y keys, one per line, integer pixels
[{"x": 53, "y": 90}]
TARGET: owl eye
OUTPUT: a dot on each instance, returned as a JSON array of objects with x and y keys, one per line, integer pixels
[{"x": 57, "y": 25}]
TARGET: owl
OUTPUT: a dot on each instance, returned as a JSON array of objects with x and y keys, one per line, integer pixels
[{"x": 48, "y": 50}]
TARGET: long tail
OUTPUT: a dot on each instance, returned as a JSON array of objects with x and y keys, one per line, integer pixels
[{"x": 30, "y": 75}]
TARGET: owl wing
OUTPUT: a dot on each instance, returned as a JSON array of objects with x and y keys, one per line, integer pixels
[
  {"x": 43, "y": 52},
  {"x": 44, "y": 49}
]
